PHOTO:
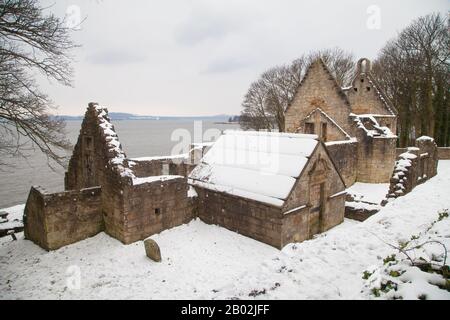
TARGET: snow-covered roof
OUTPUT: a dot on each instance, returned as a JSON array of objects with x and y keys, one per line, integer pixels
[{"x": 262, "y": 166}]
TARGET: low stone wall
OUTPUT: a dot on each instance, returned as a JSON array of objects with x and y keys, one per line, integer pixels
[
  {"x": 344, "y": 157},
  {"x": 444, "y": 153},
  {"x": 413, "y": 167},
  {"x": 250, "y": 218},
  {"x": 58, "y": 219},
  {"x": 360, "y": 214},
  {"x": 150, "y": 208}
]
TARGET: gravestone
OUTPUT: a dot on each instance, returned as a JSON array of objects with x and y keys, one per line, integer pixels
[{"x": 152, "y": 250}]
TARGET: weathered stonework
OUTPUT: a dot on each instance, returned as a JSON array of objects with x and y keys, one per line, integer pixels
[
  {"x": 375, "y": 157},
  {"x": 318, "y": 89},
  {"x": 126, "y": 207},
  {"x": 132, "y": 199},
  {"x": 414, "y": 167},
  {"x": 444, "y": 153},
  {"x": 58, "y": 219},
  {"x": 343, "y": 156},
  {"x": 358, "y": 123},
  {"x": 315, "y": 204}
]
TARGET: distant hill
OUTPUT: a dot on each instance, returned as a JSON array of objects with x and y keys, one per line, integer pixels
[{"x": 129, "y": 116}]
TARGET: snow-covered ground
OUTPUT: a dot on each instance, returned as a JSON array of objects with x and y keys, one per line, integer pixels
[
  {"x": 204, "y": 261},
  {"x": 14, "y": 217},
  {"x": 369, "y": 192}
]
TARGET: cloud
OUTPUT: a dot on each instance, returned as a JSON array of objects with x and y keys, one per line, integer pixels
[
  {"x": 115, "y": 57},
  {"x": 207, "y": 22},
  {"x": 226, "y": 65}
]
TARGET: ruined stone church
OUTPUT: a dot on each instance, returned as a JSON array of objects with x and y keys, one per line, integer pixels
[
  {"x": 277, "y": 188},
  {"x": 357, "y": 123}
]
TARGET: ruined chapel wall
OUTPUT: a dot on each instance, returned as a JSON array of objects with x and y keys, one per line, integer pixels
[
  {"x": 98, "y": 160},
  {"x": 376, "y": 158},
  {"x": 157, "y": 167},
  {"x": 150, "y": 208},
  {"x": 413, "y": 167},
  {"x": 318, "y": 90},
  {"x": 364, "y": 98},
  {"x": 58, "y": 219},
  {"x": 34, "y": 218}
]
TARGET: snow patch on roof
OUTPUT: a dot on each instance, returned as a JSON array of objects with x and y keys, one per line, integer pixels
[
  {"x": 331, "y": 143},
  {"x": 262, "y": 166}
]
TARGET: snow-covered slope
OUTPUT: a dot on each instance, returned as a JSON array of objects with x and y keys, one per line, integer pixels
[
  {"x": 332, "y": 265},
  {"x": 203, "y": 261}
]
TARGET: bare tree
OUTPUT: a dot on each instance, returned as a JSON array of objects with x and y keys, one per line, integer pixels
[
  {"x": 31, "y": 40},
  {"x": 266, "y": 101},
  {"x": 413, "y": 70}
]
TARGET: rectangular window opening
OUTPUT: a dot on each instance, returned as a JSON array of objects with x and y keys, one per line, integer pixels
[{"x": 309, "y": 128}]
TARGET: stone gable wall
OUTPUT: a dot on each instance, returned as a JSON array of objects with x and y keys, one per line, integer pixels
[
  {"x": 333, "y": 132},
  {"x": 97, "y": 160},
  {"x": 58, "y": 219},
  {"x": 319, "y": 169},
  {"x": 364, "y": 97},
  {"x": 318, "y": 90}
]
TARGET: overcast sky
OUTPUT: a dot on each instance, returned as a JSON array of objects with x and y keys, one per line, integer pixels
[{"x": 182, "y": 57}]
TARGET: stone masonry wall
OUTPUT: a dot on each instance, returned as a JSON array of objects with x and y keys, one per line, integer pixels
[
  {"x": 444, "y": 153},
  {"x": 413, "y": 167},
  {"x": 156, "y": 167},
  {"x": 98, "y": 160},
  {"x": 365, "y": 98},
  {"x": 156, "y": 206},
  {"x": 376, "y": 158},
  {"x": 319, "y": 170},
  {"x": 344, "y": 156},
  {"x": 319, "y": 119},
  {"x": 250, "y": 218},
  {"x": 58, "y": 219},
  {"x": 318, "y": 90}
]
